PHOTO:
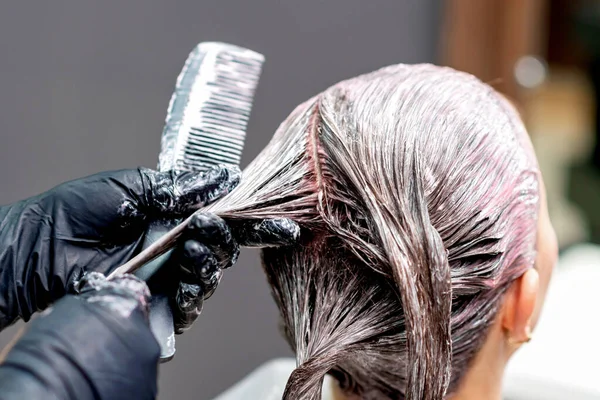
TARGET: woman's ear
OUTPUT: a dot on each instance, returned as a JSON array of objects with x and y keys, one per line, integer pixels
[{"x": 519, "y": 306}]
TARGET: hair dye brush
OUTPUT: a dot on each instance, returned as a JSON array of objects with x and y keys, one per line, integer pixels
[{"x": 205, "y": 126}]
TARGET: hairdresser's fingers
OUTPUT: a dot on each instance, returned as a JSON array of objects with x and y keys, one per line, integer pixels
[
  {"x": 213, "y": 232},
  {"x": 199, "y": 266},
  {"x": 267, "y": 233},
  {"x": 186, "y": 306},
  {"x": 200, "y": 275},
  {"x": 179, "y": 193}
]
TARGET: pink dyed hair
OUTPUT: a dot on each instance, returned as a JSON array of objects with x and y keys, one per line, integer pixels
[{"x": 417, "y": 193}]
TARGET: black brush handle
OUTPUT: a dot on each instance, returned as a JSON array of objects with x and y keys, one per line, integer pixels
[{"x": 161, "y": 316}]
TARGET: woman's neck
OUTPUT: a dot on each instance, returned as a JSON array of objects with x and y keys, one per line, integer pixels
[{"x": 483, "y": 380}]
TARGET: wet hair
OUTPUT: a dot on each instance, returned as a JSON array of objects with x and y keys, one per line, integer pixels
[{"x": 417, "y": 194}]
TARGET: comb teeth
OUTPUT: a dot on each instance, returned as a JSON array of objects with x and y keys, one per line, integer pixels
[{"x": 210, "y": 107}]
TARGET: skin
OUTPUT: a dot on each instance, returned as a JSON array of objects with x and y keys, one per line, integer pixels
[
  {"x": 517, "y": 318},
  {"x": 515, "y": 322}
]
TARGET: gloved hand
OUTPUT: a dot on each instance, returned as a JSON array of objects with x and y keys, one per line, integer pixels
[
  {"x": 97, "y": 345},
  {"x": 98, "y": 223},
  {"x": 207, "y": 247}
]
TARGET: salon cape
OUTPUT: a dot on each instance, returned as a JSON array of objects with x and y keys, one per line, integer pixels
[{"x": 267, "y": 382}]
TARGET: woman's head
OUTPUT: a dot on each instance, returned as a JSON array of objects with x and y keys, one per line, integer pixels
[{"x": 419, "y": 196}]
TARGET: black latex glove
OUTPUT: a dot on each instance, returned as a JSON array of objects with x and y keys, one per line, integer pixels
[
  {"x": 97, "y": 345},
  {"x": 209, "y": 245},
  {"x": 98, "y": 223}
]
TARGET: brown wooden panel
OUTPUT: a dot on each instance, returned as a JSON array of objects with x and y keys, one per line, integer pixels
[{"x": 487, "y": 38}]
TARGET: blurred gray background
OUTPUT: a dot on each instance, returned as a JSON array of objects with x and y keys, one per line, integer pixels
[{"x": 84, "y": 86}]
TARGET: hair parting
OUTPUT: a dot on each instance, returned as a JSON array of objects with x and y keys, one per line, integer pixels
[{"x": 417, "y": 197}]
